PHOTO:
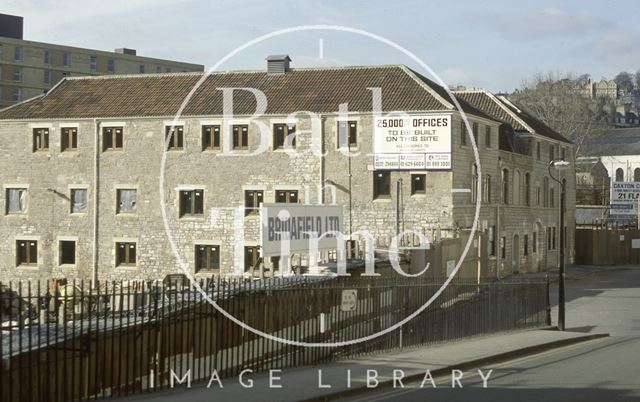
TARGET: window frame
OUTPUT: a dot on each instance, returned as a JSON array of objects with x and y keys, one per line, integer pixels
[
  {"x": 209, "y": 138},
  {"x": 22, "y": 190},
  {"x": 127, "y": 257},
  {"x": 113, "y": 138},
  {"x": 208, "y": 251},
  {"x": 288, "y": 139},
  {"x": 68, "y": 139},
  {"x": 378, "y": 186},
  {"x": 422, "y": 177},
  {"x": 29, "y": 254},
  {"x": 196, "y": 208},
  {"x": 239, "y": 142},
  {"x": 253, "y": 207},
  {"x": 41, "y": 135},
  {"x": 348, "y": 139},
  {"x": 287, "y": 196},
  {"x": 177, "y": 139}
]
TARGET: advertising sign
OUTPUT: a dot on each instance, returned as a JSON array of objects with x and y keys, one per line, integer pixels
[
  {"x": 412, "y": 142},
  {"x": 624, "y": 198},
  {"x": 298, "y": 224}
]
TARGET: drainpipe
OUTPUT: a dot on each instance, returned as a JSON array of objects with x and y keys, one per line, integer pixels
[{"x": 96, "y": 215}]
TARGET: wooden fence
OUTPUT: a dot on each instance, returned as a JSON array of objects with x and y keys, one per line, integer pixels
[{"x": 604, "y": 246}]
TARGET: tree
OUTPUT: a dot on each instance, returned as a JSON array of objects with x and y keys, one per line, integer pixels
[
  {"x": 624, "y": 81},
  {"x": 565, "y": 104},
  {"x": 637, "y": 79}
]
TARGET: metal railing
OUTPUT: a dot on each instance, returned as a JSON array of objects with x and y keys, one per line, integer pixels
[{"x": 64, "y": 342}]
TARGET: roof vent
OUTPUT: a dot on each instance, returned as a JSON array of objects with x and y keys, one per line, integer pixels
[{"x": 278, "y": 64}]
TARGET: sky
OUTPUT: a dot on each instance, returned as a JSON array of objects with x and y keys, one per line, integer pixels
[{"x": 496, "y": 45}]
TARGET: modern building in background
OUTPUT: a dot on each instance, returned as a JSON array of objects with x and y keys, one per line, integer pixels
[
  {"x": 82, "y": 196},
  {"x": 28, "y": 68}
]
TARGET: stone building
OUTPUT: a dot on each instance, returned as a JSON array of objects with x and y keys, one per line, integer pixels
[
  {"x": 84, "y": 184},
  {"x": 29, "y": 68}
]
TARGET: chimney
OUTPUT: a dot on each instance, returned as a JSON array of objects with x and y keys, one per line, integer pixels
[
  {"x": 278, "y": 64},
  {"x": 124, "y": 50}
]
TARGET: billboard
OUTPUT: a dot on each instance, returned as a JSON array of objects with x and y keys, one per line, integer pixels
[
  {"x": 412, "y": 142},
  {"x": 624, "y": 198},
  {"x": 297, "y": 224}
]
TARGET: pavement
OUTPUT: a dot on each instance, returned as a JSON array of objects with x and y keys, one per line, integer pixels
[{"x": 580, "y": 364}]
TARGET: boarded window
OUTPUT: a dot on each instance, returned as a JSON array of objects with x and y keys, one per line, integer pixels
[
  {"x": 16, "y": 200},
  {"x": 127, "y": 199},
  {"x": 191, "y": 202},
  {"x": 78, "y": 200}
]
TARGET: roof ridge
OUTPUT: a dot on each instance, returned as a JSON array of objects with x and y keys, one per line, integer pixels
[{"x": 430, "y": 90}]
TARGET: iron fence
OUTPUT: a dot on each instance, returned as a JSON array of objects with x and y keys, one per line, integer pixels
[{"x": 74, "y": 341}]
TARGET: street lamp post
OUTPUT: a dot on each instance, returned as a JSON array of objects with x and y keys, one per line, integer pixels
[{"x": 560, "y": 164}]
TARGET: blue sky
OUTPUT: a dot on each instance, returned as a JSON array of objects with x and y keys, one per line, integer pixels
[{"x": 491, "y": 44}]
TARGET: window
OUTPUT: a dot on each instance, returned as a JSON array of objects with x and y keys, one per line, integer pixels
[
  {"x": 474, "y": 128},
  {"x": 17, "y": 94},
  {"x": 287, "y": 196},
  {"x": 141, "y": 69},
  {"x": 516, "y": 188},
  {"x": 487, "y": 136},
  {"x": 527, "y": 189},
  {"x": 284, "y": 136},
  {"x": 240, "y": 136},
  {"x": 474, "y": 183},
  {"x": 67, "y": 252},
  {"x": 40, "y": 139},
  {"x": 191, "y": 202},
  {"x": 175, "y": 138},
  {"x": 158, "y": 69},
  {"x": 17, "y": 53},
  {"x": 167, "y": 70},
  {"x": 251, "y": 258},
  {"x": 252, "y": 201},
  {"x": 545, "y": 192},
  {"x": 47, "y": 56},
  {"x": 538, "y": 195},
  {"x": 463, "y": 133},
  {"x": 46, "y": 76},
  {"x": 125, "y": 254},
  {"x": 381, "y": 184},
  {"x": 78, "y": 200},
  {"x": 126, "y": 203},
  {"x": 26, "y": 252},
  {"x": 492, "y": 241},
  {"x": 636, "y": 174},
  {"x": 112, "y": 138},
  {"x": 66, "y": 59},
  {"x": 526, "y": 245},
  {"x": 534, "y": 243},
  {"x": 16, "y": 201},
  {"x": 552, "y": 197},
  {"x": 486, "y": 189},
  {"x": 538, "y": 155},
  {"x": 551, "y": 153},
  {"x": 619, "y": 174},
  {"x": 503, "y": 247},
  {"x": 17, "y": 74},
  {"x": 207, "y": 258},
  {"x": 210, "y": 137},
  {"x": 549, "y": 238},
  {"x": 68, "y": 139},
  {"x": 505, "y": 186},
  {"x": 553, "y": 243},
  {"x": 418, "y": 185},
  {"x": 347, "y": 134},
  {"x": 111, "y": 66},
  {"x": 93, "y": 63},
  {"x": 562, "y": 153}
]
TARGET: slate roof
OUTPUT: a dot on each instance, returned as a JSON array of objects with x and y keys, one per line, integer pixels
[
  {"x": 612, "y": 142},
  {"x": 320, "y": 90},
  {"x": 506, "y": 111}
]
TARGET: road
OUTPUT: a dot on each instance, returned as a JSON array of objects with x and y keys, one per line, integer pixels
[{"x": 599, "y": 300}]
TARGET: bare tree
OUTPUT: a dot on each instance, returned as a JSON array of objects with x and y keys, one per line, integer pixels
[{"x": 565, "y": 103}]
